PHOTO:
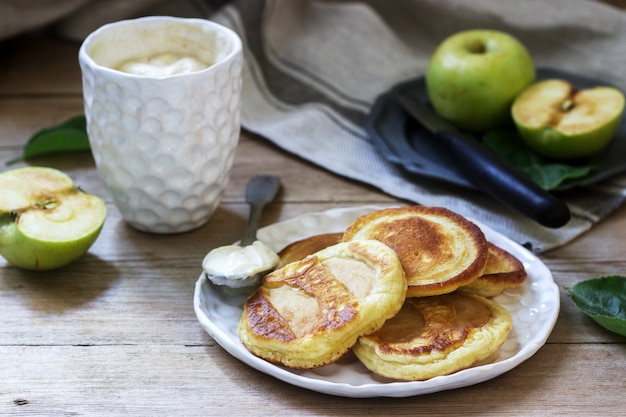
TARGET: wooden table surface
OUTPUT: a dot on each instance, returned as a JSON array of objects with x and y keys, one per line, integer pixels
[{"x": 115, "y": 332}]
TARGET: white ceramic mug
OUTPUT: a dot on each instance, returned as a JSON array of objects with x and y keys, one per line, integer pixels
[{"x": 163, "y": 140}]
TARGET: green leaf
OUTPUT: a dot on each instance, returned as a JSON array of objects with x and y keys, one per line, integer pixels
[
  {"x": 545, "y": 173},
  {"x": 604, "y": 300},
  {"x": 70, "y": 136}
]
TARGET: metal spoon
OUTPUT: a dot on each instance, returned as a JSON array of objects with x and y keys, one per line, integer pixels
[
  {"x": 260, "y": 191},
  {"x": 243, "y": 265}
]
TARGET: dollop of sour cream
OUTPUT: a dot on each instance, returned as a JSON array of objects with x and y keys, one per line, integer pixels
[
  {"x": 163, "y": 65},
  {"x": 239, "y": 266}
]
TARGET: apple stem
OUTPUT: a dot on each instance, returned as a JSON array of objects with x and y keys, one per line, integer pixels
[{"x": 477, "y": 47}]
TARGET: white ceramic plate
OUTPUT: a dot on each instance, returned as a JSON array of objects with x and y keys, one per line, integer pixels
[{"x": 534, "y": 307}]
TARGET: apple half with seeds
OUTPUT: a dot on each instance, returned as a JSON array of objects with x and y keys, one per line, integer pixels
[
  {"x": 45, "y": 220},
  {"x": 558, "y": 121}
]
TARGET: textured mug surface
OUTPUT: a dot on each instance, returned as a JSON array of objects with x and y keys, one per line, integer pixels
[{"x": 163, "y": 146}]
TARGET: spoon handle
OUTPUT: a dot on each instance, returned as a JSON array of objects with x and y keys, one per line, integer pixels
[{"x": 260, "y": 190}]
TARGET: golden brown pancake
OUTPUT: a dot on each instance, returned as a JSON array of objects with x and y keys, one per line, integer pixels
[
  {"x": 503, "y": 271},
  {"x": 433, "y": 336},
  {"x": 310, "y": 312},
  {"x": 304, "y": 247},
  {"x": 439, "y": 250}
]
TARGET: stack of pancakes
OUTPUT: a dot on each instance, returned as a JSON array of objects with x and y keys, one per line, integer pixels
[{"x": 406, "y": 289}]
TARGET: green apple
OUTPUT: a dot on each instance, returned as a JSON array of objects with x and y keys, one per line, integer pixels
[
  {"x": 45, "y": 220},
  {"x": 473, "y": 77},
  {"x": 560, "y": 122}
]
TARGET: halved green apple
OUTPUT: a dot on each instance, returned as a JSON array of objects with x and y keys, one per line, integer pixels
[
  {"x": 45, "y": 220},
  {"x": 560, "y": 122}
]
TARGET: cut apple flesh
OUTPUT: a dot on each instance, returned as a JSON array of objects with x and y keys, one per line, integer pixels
[
  {"x": 50, "y": 223},
  {"x": 556, "y": 104},
  {"x": 559, "y": 122},
  {"x": 44, "y": 201},
  {"x": 46, "y": 221},
  {"x": 21, "y": 188}
]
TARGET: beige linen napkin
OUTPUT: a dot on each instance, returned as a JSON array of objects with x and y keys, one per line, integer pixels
[{"x": 314, "y": 69}]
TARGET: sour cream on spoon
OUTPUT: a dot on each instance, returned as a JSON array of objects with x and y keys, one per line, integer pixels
[
  {"x": 243, "y": 265},
  {"x": 239, "y": 266}
]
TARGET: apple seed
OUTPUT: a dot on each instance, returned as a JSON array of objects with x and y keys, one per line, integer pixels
[{"x": 567, "y": 105}]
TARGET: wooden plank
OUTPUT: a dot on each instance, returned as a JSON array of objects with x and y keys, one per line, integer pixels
[{"x": 179, "y": 380}]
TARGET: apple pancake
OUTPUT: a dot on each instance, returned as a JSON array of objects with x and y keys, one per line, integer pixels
[
  {"x": 503, "y": 271},
  {"x": 433, "y": 336},
  {"x": 439, "y": 249},
  {"x": 310, "y": 312},
  {"x": 302, "y": 248}
]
